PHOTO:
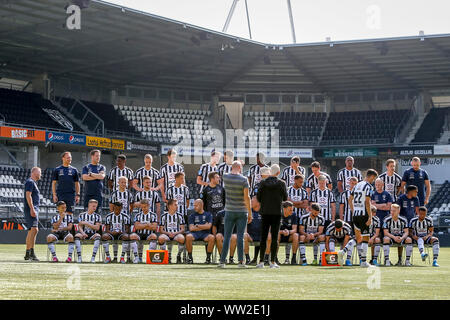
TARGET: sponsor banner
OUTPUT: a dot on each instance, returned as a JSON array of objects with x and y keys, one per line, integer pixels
[
  {"x": 117, "y": 144},
  {"x": 60, "y": 137},
  {"x": 11, "y": 225},
  {"x": 241, "y": 152},
  {"x": 343, "y": 153},
  {"x": 22, "y": 133},
  {"x": 105, "y": 143},
  {"x": 442, "y": 150},
  {"x": 141, "y": 147},
  {"x": 416, "y": 151}
]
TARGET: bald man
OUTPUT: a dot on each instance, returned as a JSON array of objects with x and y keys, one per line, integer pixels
[
  {"x": 200, "y": 223},
  {"x": 417, "y": 177}
]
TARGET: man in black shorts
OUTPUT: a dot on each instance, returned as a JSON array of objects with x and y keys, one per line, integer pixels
[
  {"x": 117, "y": 227},
  {"x": 62, "y": 224},
  {"x": 31, "y": 212},
  {"x": 253, "y": 234},
  {"x": 359, "y": 201}
]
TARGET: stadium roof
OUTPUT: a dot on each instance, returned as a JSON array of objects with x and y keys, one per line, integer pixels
[{"x": 119, "y": 46}]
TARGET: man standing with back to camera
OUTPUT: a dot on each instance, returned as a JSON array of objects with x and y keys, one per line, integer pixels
[{"x": 271, "y": 194}]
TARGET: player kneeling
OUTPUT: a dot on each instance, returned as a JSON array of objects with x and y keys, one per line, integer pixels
[
  {"x": 89, "y": 227},
  {"x": 145, "y": 225},
  {"x": 172, "y": 228},
  {"x": 421, "y": 230},
  {"x": 287, "y": 233},
  {"x": 340, "y": 232},
  {"x": 200, "y": 223},
  {"x": 62, "y": 224},
  {"x": 311, "y": 230},
  {"x": 117, "y": 227},
  {"x": 396, "y": 232}
]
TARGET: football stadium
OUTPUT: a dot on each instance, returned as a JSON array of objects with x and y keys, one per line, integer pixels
[{"x": 147, "y": 158}]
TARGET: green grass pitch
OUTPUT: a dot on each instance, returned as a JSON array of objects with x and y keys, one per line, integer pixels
[{"x": 24, "y": 280}]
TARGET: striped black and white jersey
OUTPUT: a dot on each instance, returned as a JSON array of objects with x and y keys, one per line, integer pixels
[
  {"x": 115, "y": 173},
  {"x": 68, "y": 219},
  {"x": 395, "y": 227},
  {"x": 152, "y": 173},
  {"x": 344, "y": 175},
  {"x": 117, "y": 223},
  {"x": 313, "y": 181},
  {"x": 332, "y": 232},
  {"x": 124, "y": 197},
  {"x": 311, "y": 224},
  {"x": 344, "y": 199},
  {"x": 204, "y": 171},
  {"x": 362, "y": 190},
  {"x": 299, "y": 194},
  {"x": 254, "y": 173},
  {"x": 168, "y": 174},
  {"x": 92, "y": 218},
  {"x": 289, "y": 174},
  {"x": 391, "y": 183},
  {"x": 420, "y": 228},
  {"x": 324, "y": 198},
  {"x": 181, "y": 194},
  {"x": 223, "y": 168},
  {"x": 149, "y": 217},
  {"x": 376, "y": 224},
  {"x": 152, "y": 197},
  {"x": 172, "y": 222}
]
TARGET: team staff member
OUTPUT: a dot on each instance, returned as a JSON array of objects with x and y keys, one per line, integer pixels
[
  {"x": 271, "y": 193},
  {"x": 417, "y": 177},
  {"x": 66, "y": 177},
  {"x": 31, "y": 211},
  {"x": 381, "y": 199},
  {"x": 93, "y": 174},
  {"x": 213, "y": 195},
  {"x": 238, "y": 211}
]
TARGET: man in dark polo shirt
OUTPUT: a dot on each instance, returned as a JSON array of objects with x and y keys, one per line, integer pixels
[
  {"x": 417, "y": 177},
  {"x": 93, "y": 175},
  {"x": 409, "y": 203},
  {"x": 31, "y": 211},
  {"x": 66, "y": 177},
  {"x": 382, "y": 200}
]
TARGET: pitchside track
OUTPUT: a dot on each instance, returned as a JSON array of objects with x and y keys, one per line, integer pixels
[{"x": 44, "y": 280}]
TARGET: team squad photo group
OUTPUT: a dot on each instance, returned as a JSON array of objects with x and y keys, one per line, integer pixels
[{"x": 369, "y": 213}]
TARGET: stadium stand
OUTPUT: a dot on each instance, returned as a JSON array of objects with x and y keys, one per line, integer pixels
[
  {"x": 296, "y": 128},
  {"x": 25, "y": 108},
  {"x": 158, "y": 124},
  {"x": 440, "y": 203},
  {"x": 113, "y": 120},
  {"x": 363, "y": 127},
  {"x": 432, "y": 126}
]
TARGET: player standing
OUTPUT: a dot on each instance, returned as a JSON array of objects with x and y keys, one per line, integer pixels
[
  {"x": 225, "y": 166},
  {"x": 168, "y": 172},
  {"x": 298, "y": 196},
  {"x": 206, "y": 169},
  {"x": 326, "y": 200},
  {"x": 362, "y": 219},
  {"x": 392, "y": 180},
  {"x": 147, "y": 171},
  {"x": 313, "y": 180},
  {"x": 345, "y": 212},
  {"x": 289, "y": 173},
  {"x": 254, "y": 173},
  {"x": 121, "y": 170},
  {"x": 344, "y": 175}
]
